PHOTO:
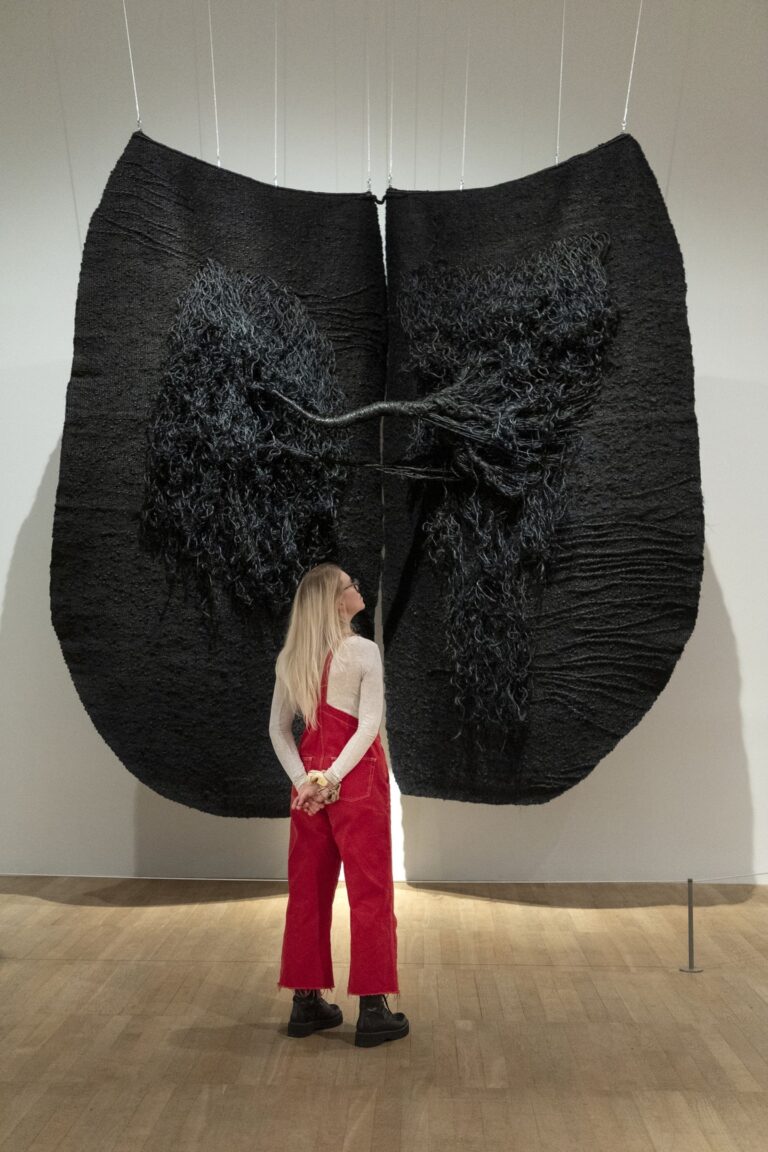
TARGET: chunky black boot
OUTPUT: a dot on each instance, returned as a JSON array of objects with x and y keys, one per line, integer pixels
[
  {"x": 376, "y": 1023},
  {"x": 311, "y": 1012}
]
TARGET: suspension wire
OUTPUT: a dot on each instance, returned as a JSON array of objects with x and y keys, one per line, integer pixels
[
  {"x": 133, "y": 74},
  {"x": 213, "y": 78},
  {"x": 466, "y": 94},
  {"x": 632, "y": 67},
  {"x": 391, "y": 81},
  {"x": 368, "y": 92},
  {"x": 57, "y": 74},
  {"x": 683, "y": 78},
  {"x": 275, "y": 96},
  {"x": 560, "y": 92}
]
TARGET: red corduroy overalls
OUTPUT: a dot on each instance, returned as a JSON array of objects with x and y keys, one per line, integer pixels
[{"x": 356, "y": 830}]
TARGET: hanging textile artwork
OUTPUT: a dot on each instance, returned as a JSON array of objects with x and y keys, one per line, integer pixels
[
  {"x": 542, "y": 527},
  {"x": 542, "y": 323},
  {"x": 190, "y": 501}
]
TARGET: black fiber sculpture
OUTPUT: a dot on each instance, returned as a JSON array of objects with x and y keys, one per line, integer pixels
[
  {"x": 179, "y": 516},
  {"x": 606, "y": 544},
  {"x": 542, "y": 503}
]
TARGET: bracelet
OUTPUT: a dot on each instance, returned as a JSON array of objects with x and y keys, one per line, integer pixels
[{"x": 315, "y": 777}]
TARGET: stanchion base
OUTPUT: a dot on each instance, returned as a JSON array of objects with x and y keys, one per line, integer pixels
[{"x": 690, "y": 969}]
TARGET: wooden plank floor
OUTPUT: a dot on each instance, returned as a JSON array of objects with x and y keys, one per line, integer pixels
[{"x": 143, "y": 1016}]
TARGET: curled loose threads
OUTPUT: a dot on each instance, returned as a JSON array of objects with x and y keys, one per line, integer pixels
[
  {"x": 239, "y": 495},
  {"x": 507, "y": 362}
]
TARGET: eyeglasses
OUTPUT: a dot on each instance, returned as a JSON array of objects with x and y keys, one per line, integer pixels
[{"x": 353, "y": 584}]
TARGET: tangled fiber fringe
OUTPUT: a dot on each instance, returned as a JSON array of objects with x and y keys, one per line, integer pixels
[
  {"x": 508, "y": 363},
  {"x": 239, "y": 495},
  {"x": 247, "y": 450}
]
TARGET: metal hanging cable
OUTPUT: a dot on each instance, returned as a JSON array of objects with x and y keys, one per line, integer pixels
[
  {"x": 67, "y": 145},
  {"x": 390, "y": 21},
  {"x": 133, "y": 74},
  {"x": 560, "y": 90},
  {"x": 368, "y": 93},
  {"x": 213, "y": 80},
  {"x": 390, "y": 28},
  {"x": 466, "y": 96},
  {"x": 275, "y": 95},
  {"x": 632, "y": 67},
  {"x": 629, "y": 83}
]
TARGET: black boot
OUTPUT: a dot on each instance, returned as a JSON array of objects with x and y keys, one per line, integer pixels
[
  {"x": 376, "y": 1023},
  {"x": 311, "y": 1012}
]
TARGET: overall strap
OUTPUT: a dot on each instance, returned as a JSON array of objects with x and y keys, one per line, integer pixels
[{"x": 324, "y": 679}]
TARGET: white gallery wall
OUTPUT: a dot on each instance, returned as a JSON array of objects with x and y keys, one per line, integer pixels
[{"x": 683, "y": 794}]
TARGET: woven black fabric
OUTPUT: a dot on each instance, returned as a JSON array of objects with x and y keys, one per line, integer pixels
[
  {"x": 564, "y": 582},
  {"x": 543, "y": 523},
  {"x": 195, "y": 283}
]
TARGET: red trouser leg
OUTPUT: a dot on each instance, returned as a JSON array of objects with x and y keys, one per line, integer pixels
[
  {"x": 314, "y": 864},
  {"x": 363, "y": 834},
  {"x": 362, "y": 828}
]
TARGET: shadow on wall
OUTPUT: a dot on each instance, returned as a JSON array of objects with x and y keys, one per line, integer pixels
[
  {"x": 69, "y": 806},
  {"x": 671, "y": 800}
]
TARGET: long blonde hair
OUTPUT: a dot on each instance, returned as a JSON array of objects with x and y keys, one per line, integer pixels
[{"x": 315, "y": 627}]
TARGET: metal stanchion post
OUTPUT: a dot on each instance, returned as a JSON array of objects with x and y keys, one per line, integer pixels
[{"x": 690, "y": 967}]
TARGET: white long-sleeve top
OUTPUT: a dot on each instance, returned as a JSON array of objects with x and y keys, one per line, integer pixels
[{"x": 356, "y": 686}]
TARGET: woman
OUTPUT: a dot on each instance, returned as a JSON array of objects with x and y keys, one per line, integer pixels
[{"x": 340, "y": 809}]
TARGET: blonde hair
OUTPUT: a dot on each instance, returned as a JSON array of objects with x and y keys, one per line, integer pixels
[{"x": 315, "y": 627}]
